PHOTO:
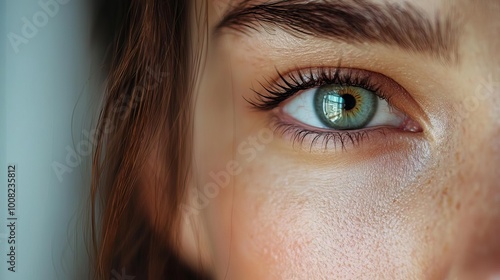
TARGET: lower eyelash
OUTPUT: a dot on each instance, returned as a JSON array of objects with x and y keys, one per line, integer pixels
[{"x": 339, "y": 139}]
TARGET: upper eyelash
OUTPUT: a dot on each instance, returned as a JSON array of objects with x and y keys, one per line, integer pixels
[{"x": 290, "y": 84}]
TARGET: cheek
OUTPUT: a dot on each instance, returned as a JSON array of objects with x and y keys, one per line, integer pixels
[
  {"x": 278, "y": 220},
  {"x": 470, "y": 197},
  {"x": 289, "y": 235}
]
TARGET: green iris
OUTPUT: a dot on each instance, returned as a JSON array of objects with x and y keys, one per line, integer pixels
[{"x": 345, "y": 107}]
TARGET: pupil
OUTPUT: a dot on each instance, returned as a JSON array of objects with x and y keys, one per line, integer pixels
[{"x": 349, "y": 101}]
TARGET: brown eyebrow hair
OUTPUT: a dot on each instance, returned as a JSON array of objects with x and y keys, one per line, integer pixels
[{"x": 355, "y": 21}]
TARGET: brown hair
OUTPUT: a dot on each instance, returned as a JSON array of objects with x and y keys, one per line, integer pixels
[{"x": 147, "y": 102}]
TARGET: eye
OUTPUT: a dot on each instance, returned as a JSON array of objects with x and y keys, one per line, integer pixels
[
  {"x": 327, "y": 107},
  {"x": 342, "y": 107}
]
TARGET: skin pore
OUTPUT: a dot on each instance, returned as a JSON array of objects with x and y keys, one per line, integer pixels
[{"x": 385, "y": 203}]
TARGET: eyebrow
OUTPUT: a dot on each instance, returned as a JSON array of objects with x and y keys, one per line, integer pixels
[{"x": 355, "y": 21}]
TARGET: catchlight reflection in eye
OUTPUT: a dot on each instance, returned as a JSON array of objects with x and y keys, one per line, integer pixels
[{"x": 345, "y": 107}]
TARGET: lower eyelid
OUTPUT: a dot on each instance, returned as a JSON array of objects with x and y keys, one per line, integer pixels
[
  {"x": 319, "y": 139},
  {"x": 324, "y": 142},
  {"x": 313, "y": 139}
]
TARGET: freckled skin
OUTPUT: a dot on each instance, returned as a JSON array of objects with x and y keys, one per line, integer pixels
[{"x": 408, "y": 207}]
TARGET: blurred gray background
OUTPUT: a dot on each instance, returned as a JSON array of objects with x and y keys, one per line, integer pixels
[{"x": 48, "y": 83}]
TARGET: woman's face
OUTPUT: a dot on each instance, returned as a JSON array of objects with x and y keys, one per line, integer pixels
[{"x": 375, "y": 155}]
